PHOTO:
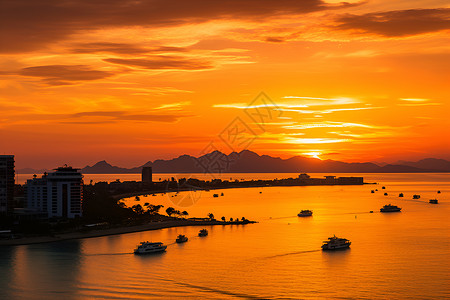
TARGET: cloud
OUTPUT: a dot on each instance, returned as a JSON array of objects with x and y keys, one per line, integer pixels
[
  {"x": 294, "y": 102},
  {"x": 63, "y": 74},
  {"x": 122, "y": 48},
  {"x": 26, "y": 25},
  {"x": 417, "y": 102},
  {"x": 98, "y": 117},
  {"x": 177, "y": 105},
  {"x": 162, "y": 62},
  {"x": 398, "y": 23},
  {"x": 314, "y": 140},
  {"x": 328, "y": 124}
]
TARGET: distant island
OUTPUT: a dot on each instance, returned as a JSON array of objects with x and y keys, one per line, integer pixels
[{"x": 250, "y": 162}]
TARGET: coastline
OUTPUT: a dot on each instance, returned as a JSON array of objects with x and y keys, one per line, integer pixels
[{"x": 114, "y": 231}]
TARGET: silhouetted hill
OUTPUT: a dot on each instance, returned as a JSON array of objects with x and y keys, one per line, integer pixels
[
  {"x": 102, "y": 167},
  {"x": 250, "y": 162},
  {"x": 429, "y": 163}
]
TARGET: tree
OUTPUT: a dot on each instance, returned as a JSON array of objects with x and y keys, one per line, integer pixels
[
  {"x": 154, "y": 209},
  {"x": 138, "y": 209},
  {"x": 243, "y": 219},
  {"x": 170, "y": 211},
  {"x": 231, "y": 219},
  {"x": 223, "y": 219},
  {"x": 211, "y": 216},
  {"x": 185, "y": 213}
]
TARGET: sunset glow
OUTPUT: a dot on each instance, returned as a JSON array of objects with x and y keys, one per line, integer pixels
[{"x": 133, "y": 81}]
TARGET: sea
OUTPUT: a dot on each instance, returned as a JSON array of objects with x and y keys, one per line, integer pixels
[{"x": 404, "y": 255}]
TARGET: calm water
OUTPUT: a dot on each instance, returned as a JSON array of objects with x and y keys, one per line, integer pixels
[{"x": 393, "y": 256}]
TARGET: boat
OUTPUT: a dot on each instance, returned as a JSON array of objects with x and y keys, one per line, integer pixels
[
  {"x": 383, "y": 187},
  {"x": 372, "y": 191},
  {"x": 181, "y": 239},
  {"x": 221, "y": 194},
  {"x": 385, "y": 194},
  {"x": 148, "y": 247},
  {"x": 335, "y": 243},
  {"x": 390, "y": 208},
  {"x": 305, "y": 213},
  {"x": 203, "y": 232},
  {"x": 416, "y": 196},
  {"x": 400, "y": 195},
  {"x": 433, "y": 201},
  {"x": 216, "y": 195},
  {"x": 438, "y": 192}
]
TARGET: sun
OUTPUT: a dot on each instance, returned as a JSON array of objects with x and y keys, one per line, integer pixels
[{"x": 315, "y": 154}]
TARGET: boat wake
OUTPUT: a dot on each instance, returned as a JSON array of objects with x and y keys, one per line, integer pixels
[
  {"x": 290, "y": 253},
  {"x": 107, "y": 254},
  {"x": 213, "y": 290}
]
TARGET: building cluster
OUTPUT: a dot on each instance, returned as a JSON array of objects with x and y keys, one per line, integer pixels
[
  {"x": 7, "y": 176},
  {"x": 58, "y": 194},
  {"x": 330, "y": 180}
]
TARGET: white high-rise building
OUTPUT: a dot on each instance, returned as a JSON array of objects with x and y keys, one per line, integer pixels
[{"x": 59, "y": 194}]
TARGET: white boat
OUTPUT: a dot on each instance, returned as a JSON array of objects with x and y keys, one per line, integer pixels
[
  {"x": 181, "y": 238},
  {"x": 203, "y": 232},
  {"x": 148, "y": 247},
  {"x": 390, "y": 208},
  {"x": 305, "y": 213},
  {"x": 335, "y": 243}
]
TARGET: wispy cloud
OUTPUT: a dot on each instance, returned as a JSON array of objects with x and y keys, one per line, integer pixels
[
  {"x": 417, "y": 102},
  {"x": 290, "y": 140},
  {"x": 176, "y": 105},
  {"x": 328, "y": 124}
]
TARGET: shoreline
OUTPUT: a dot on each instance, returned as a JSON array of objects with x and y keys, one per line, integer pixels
[
  {"x": 149, "y": 192},
  {"x": 114, "y": 231}
]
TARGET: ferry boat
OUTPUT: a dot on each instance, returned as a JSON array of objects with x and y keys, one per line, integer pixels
[
  {"x": 433, "y": 201},
  {"x": 203, "y": 232},
  {"x": 148, "y": 247},
  {"x": 335, "y": 243},
  {"x": 181, "y": 239},
  {"x": 390, "y": 208},
  {"x": 416, "y": 196},
  {"x": 305, "y": 213}
]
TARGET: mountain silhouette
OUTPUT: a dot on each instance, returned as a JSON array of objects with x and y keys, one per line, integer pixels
[{"x": 250, "y": 162}]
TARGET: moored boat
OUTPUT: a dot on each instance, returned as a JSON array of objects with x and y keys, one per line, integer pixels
[
  {"x": 216, "y": 195},
  {"x": 433, "y": 201},
  {"x": 203, "y": 232},
  {"x": 390, "y": 208},
  {"x": 400, "y": 195},
  {"x": 305, "y": 213},
  {"x": 335, "y": 243},
  {"x": 416, "y": 196},
  {"x": 181, "y": 238},
  {"x": 148, "y": 247}
]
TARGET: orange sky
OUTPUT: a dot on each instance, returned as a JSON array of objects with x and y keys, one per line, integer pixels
[{"x": 132, "y": 81}]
